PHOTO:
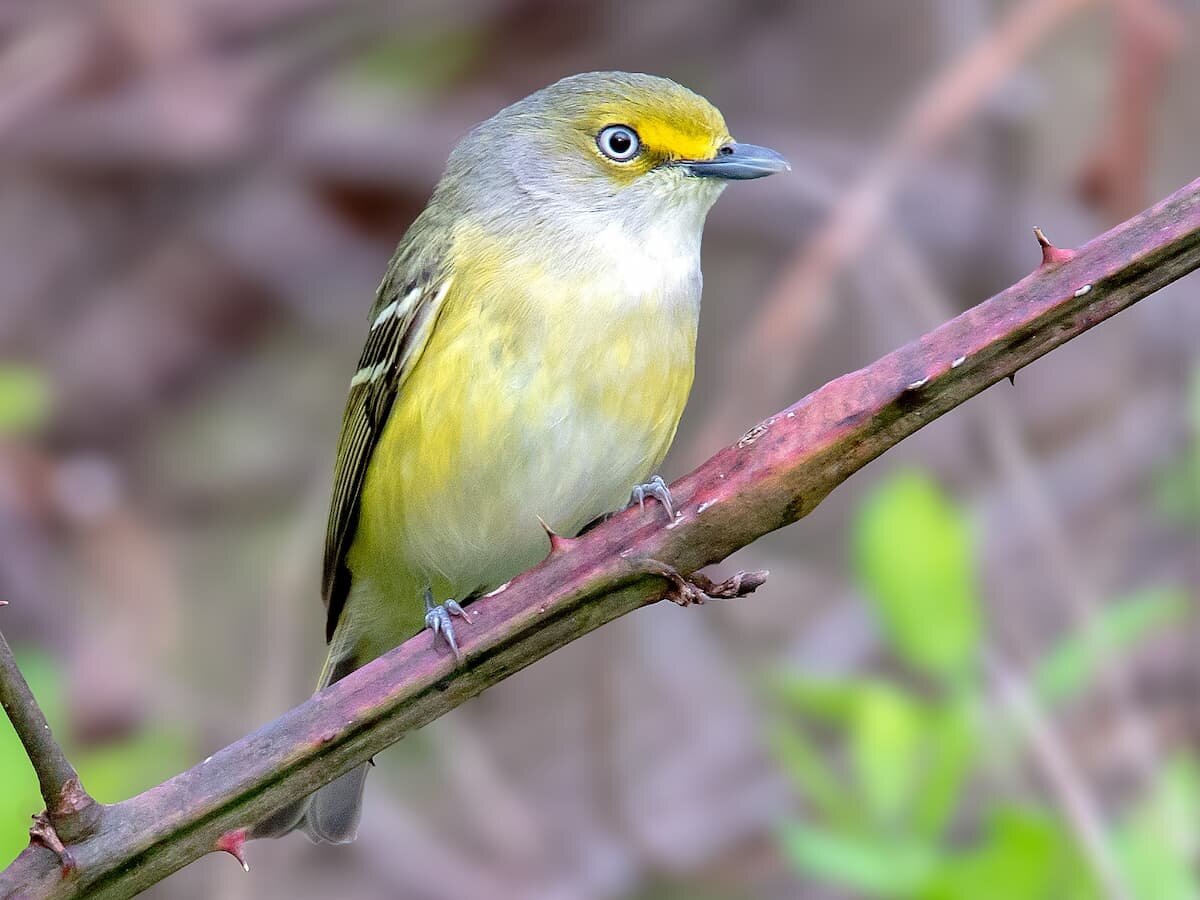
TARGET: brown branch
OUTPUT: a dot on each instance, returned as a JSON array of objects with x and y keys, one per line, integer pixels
[
  {"x": 773, "y": 475},
  {"x": 70, "y": 812}
]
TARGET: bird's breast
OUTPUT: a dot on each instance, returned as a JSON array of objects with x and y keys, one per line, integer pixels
[{"x": 541, "y": 393}]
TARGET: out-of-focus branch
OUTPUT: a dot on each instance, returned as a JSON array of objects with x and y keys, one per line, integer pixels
[
  {"x": 765, "y": 354},
  {"x": 1113, "y": 176},
  {"x": 70, "y": 812},
  {"x": 1061, "y": 774},
  {"x": 776, "y": 473}
]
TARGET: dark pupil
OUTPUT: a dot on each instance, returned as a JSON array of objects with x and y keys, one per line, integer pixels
[{"x": 619, "y": 142}]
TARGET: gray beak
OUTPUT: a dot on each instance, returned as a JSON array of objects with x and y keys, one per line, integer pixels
[{"x": 737, "y": 162}]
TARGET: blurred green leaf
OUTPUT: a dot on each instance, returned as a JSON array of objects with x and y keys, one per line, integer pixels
[
  {"x": 821, "y": 696},
  {"x": 123, "y": 768},
  {"x": 914, "y": 559},
  {"x": 910, "y": 758},
  {"x": 876, "y": 866},
  {"x": 1071, "y": 666},
  {"x": 951, "y": 738},
  {"x": 1159, "y": 842},
  {"x": 885, "y": 741},
  {"x": 803, "y": 763},
  {"x": 1176, "y": 488},
  {"x": 24, "y": 399},
  {"x": 1025, "y": 855}
]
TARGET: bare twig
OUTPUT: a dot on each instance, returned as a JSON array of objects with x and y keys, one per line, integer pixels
[
  {"x": 773, "y": 475},
  {"x": 70, "y": 813}
]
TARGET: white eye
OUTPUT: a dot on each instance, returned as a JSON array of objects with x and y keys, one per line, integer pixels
[{"x": 618, "y": 142}]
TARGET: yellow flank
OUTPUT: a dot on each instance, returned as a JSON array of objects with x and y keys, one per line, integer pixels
[{"x": 540, "y": 393}]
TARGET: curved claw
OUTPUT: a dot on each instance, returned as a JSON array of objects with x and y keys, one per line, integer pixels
[
  {"x": 439, "y": 620},
  {"x": 656, "y": 488}
]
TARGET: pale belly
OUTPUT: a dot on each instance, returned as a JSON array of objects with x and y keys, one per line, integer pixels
[{"x": 498, "y": 427}]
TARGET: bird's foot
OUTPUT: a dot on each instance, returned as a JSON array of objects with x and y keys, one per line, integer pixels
[
  {"x": 440, "y": 620},
  {"x": 656, "y": 488}
]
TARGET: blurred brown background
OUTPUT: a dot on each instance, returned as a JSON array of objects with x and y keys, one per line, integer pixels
[{"x": 197, "y": 200}]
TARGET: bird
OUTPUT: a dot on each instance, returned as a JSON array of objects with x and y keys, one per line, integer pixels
[{"x": 530, "y": 352}]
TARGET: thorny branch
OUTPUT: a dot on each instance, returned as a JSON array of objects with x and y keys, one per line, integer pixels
[{"x": 776, "y": 473}]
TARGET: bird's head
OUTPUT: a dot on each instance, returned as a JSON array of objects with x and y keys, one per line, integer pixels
[{"x": 609, "y": 145}]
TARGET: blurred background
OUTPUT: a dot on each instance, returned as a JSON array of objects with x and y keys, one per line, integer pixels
[{"x": 974, "y": 671}]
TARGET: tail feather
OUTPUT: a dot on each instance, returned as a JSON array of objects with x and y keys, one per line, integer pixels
[
  {"x": 331, "y": 814},
  {"x": 334, "y": 811}
]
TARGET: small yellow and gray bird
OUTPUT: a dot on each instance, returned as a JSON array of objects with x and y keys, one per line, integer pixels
[{"x": 530, "y": 352}]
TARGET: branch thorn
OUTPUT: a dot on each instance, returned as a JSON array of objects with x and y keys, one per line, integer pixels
[
  {"x": 234, "y": 843},
  {"x": 558, "y": 543},
  {"x": 1051, "y": 255}
]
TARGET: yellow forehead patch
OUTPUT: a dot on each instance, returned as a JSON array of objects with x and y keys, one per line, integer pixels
[
  {"x": 675, "y": 125},
  {"x": 676, "y": 140}
]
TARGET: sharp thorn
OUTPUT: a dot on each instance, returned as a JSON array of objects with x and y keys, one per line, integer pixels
[
  {"x": 234, "y": 843},
  {"x": 1051, "y": 255},
  {"x": 1012, "y": 378},
  {"x": 558, "y": 543}
]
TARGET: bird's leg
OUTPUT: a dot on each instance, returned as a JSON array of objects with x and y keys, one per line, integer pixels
[
  {"x": 439, "y": 619},
  {"x": 656, "y": 488}
]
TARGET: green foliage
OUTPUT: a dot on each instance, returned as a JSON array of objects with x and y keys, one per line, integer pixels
[
  {"x": 1160, "y": 840},
  {"x": 907, "y": 757},
  {"x": 1072, "y": 665},
  {"x": 1176, "y": 487},
  {"x": 882, "y": 806},
  {"x": 914, "y": 559},
  {"x": 886, "y": 738},
  {"x": 24, "y": 399},
  {"x": 112, "y": 772},
  {"x": 871, "y": 864},
  {"x": 1025, "y": 853}
]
